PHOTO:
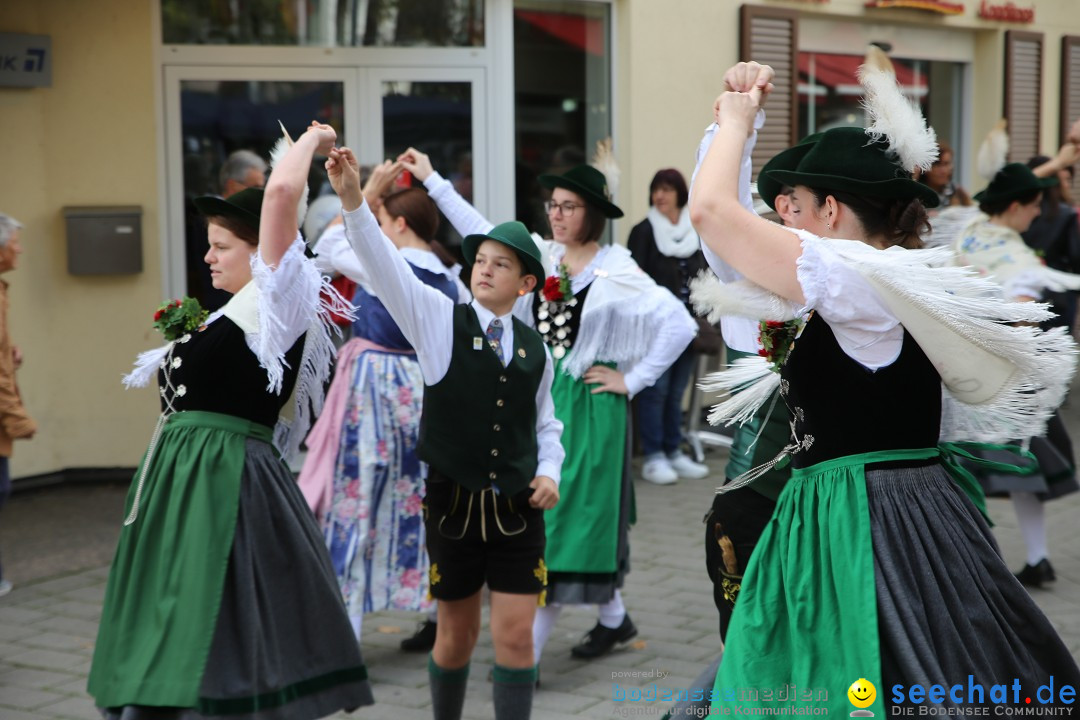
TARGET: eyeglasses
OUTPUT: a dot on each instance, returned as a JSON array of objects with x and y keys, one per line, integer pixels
[{"x": 567, "y": 208}]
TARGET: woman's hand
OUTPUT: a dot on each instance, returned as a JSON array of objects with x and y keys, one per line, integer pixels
[
  {"x": 417, "y": 163},
  {"x": 1074, "y": 133},
  {"x": 325, "y": 137},
  {"x": 608, "y": 380},
  {"x": 344, "y": 174},
  {"x": 545, "y": 492},
  {"x": 746, "y": 76},
  {"x": 738, "y": 109},
  {"x": 382, "y": 178}
]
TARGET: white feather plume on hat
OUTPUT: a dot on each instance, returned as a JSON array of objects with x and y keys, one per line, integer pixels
[
  {"x": 894, "y": 118},
  {"x": 276, "y": 153},
  {"x": 994, "y": 151},
  {"x": 604, "y": 161}
]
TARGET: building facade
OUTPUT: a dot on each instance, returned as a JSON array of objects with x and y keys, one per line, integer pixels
[{"x": 146, "y": 98}]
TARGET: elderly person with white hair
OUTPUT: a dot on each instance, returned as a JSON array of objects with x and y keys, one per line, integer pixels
[{"x": 15, "y": 423}]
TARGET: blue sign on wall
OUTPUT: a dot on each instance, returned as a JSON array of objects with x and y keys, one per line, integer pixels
[{"x": 25, "y": 60}]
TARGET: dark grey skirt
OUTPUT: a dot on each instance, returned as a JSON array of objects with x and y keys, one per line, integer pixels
[
  {"x": 947, "y": 605},
  {"x": 283, "y": 648},
  {"x": 1056, "y": 475}
]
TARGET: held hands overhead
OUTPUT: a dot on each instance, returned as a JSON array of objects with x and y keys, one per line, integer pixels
[
  {"x": 746, "y": 87},
  {"x": 344, "y": 174}
]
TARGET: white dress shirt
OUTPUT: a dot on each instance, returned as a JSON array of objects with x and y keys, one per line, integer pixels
[{"x": 426, "y": 318}]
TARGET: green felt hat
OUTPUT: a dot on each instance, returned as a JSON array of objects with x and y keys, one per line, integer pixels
[
  {"x": 1013, "y": 181},
  {"x": 768, "y": 187},
  {"x": 245, "y": 206},
  {"x": 848, "y": 160},
  {"x": 589, "y": 183},
  {"x": 514, "y": 235}
]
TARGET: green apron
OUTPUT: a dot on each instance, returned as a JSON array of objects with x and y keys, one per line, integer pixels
[
  {"x": 805, "y": 627},
  {"x": 583, "y": 529},
  {"x": 166, "y": 582}
]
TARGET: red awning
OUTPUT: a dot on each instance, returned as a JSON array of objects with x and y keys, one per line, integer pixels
[
  {"x": 838, "y": 73},
  {"x": 938, "y": 6},
  {"x": 583, "y": 33}
]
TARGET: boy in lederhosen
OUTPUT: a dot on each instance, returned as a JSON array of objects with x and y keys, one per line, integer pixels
[{"x": 491, "y": 439}]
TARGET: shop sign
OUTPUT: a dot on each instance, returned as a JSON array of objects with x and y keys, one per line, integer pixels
[
  {"x": 937, "y": 6},
  {"x": 1006, "y": 13},
  {"x": 25, "y": 60}
]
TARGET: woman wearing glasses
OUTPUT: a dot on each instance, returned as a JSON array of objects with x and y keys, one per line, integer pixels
[{"x": 612, "y": 332}]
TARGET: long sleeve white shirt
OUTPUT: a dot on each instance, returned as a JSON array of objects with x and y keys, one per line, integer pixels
[{"x": 426, "y": 318}]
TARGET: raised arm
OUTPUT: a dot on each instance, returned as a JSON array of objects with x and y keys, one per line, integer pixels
[
  {"x": 466, "y": 219},
  {"x": 423, "y": 314},
  {"x": 278, "y": 223},
  {"x": 760, "y": 250}
]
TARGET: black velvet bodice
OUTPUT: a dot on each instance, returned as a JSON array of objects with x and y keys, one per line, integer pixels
[
  {"x": 573, "y": 321},
  {"x": 839, "y": 407},
  {"x": 215, "y": 371}
]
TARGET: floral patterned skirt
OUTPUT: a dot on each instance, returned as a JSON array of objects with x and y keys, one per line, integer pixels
[{"x": 374, "y": 528}]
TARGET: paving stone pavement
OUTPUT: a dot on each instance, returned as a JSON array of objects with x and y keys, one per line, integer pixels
[{"x": 57, "y": 542}]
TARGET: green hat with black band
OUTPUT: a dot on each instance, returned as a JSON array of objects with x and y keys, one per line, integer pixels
[
  {"x": 515, "y": 236},
  {"x": 589, "y": 183},
  {"x": 244, "y": 206},
  {"x": 1013, "y": 181},
  {"x": 768, "y": 187},
  {"x": 846, "y": 159}
]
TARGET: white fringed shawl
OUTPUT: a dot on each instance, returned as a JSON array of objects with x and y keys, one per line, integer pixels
[
  {"x": 257, "y": 309},
  {"x": 623, "y": 313},
  {"x": 1000, "y": 381}
]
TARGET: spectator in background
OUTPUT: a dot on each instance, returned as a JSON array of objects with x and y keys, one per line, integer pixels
[
  {"x": 243, "y": 169},
  {"x": 1055, "y": 235},
  {"x": 939, "y": 179},
  {"x": 666, "y": 247},
  {"x": 15, "y": 423}
]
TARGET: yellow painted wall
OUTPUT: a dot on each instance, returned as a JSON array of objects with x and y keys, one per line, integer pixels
[
  {"x": 90, "y": 139},
  {"x": 671, "y": 56}
]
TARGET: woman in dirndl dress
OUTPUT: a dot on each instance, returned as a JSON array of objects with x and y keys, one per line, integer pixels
[
  {"x": 362, "y": 476},
  {"x": 877, "y": 572},
  {"x": 992, "y": 244},
  {"x": 221, "y": 601}
]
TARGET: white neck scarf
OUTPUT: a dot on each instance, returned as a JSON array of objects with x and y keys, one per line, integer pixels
[{"x": 674, "y": 240}]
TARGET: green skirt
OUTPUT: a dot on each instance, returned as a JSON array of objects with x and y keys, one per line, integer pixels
[
  {"x": 583, "y": 529},
  {"x": 806, "y": 627},
  {"x": 221, "y": 598},
  {"x": 165, "y": 584}
]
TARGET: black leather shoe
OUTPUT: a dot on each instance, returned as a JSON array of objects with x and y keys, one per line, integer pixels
[
  {"x": 600, "y": 639},
  {"x": 422, "y": 640},
  {"x": 1036, "y": 575}
]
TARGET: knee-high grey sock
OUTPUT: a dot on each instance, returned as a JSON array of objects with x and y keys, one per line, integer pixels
[
  {"x": 512, "y": 691},
  {"x": 447, "y": 690}
]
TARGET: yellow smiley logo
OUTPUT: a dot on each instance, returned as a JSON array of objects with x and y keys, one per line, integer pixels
[{"x": 862, "y": 693}]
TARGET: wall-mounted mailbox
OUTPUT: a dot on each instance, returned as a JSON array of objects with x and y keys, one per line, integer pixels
[{"x": 104, "y": 240}]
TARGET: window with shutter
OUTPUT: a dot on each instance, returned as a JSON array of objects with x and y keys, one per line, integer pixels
[
  {"x": 1023, "y": 92},
  {"x": 770, "y": 36},
  {"x": 1070, "y": 91}
]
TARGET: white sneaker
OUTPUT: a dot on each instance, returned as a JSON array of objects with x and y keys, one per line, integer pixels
[
  {"x": 5, "y": 587},
  {"x": 687, "y": 468},
  {"x": 659, "y": 472}
]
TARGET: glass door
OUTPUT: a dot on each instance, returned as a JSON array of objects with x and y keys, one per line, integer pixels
[
  {"x": 219, "y": 123},
  {"x": 440, "y": 112},
  {"x": 214, "y": 114}
]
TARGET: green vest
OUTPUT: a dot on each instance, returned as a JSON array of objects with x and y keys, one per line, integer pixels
[{"x": 478, "y": 426}]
